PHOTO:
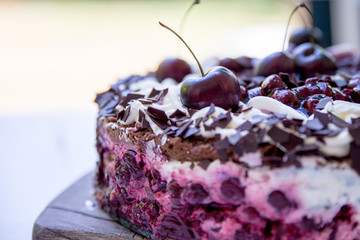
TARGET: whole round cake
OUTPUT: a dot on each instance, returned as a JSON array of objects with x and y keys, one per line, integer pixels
[{"x": 253, "y": 149}]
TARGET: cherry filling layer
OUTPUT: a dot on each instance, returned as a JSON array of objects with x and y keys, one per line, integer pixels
[{"x": 167, "y": 199}]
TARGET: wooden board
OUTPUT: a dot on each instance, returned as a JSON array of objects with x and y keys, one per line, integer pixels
[{"x": 72, "y": 216}]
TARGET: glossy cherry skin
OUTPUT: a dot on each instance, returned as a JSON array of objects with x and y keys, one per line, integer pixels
[
  {"x": 303, "y": 35},
  {"x": 219, "y": 86},
  {"x": 231, "y": 64},
  {"x": 287, "y": 96},
  {"x": 275, "y": 63},
  {"x": 310, "y": 103},
  {"x": 174, "y": 68},
  {"x": 271, "y": 83},
  {"x": 311, "y": 59}
]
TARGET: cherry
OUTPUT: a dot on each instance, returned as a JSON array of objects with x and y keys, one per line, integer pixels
[
  {"x": 174, "y": 68},
  {"x": 231, "y": 64},
  {"x": 287, "y": 96},
  {"x": 303, "y": 35},
  {"x": 275, "y": 63},
  {"x": 310, "y": 103},
  {"x": 219, "y": 86},
  {"x": 325, "y": 88},
  {"x": 311, "y": 59},
  {"x": 302, "y": 92},
  {"x": 355, "y": 94},
  {"x": 338, "y": 95},
  {"x": 243, "y": 93},
  {"x": 271, "y": 83}
]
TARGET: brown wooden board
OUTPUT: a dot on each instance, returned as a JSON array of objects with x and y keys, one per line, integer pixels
[{"x": 72, "y": 216}]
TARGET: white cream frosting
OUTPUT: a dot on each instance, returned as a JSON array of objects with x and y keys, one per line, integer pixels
[{"x": 337, "y": 146}]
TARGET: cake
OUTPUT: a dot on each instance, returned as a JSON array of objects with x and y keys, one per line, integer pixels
[{"x": 283, "y": 162}]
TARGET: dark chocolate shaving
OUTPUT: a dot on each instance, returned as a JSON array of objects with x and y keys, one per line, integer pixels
[
  {"x": 103, "y": 98},
  {"x": 129, "y": 97},
  {"x": 234, "y": 139},
  {"x": 222, "y": 121},
  {"x": 204, "y": 164},
  {"x": 183, "y": 128},
  {"x": 246, "y": 126},
  {"x": 278, "y": 135},
  {"x": 126, "y": 114},
  {"x": 158, "y": 116},
  {"x": 339, "y": 122},
  {"x": 324, "y": 118},
  {"x": 355, "y": 133},
  {"x": 198, "y": 121},
  {"x": 355, "y": 157},
  {"x": 322, "y": 103},
  {"x": 314, "y": 124},
  {"x": 154, "y": 93},
  {"x": 211, "y": 111},
  {"x": 191, "y": 131},
  {"x": 109, "y": 108}
]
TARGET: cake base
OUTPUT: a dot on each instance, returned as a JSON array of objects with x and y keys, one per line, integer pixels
[{"x": 72, "y": 216}]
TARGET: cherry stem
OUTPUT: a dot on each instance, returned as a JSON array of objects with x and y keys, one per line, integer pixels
[
  {"x": 299, "y": 5},
  {"x": 197, "y": 61},
  {"x": 181, "y": 28}
]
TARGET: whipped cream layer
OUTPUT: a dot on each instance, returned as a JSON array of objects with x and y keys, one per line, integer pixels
[{"x": 332, "y": 146}]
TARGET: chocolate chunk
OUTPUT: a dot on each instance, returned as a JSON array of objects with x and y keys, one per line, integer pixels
[
  {"x": 355, "y": 133},
  {"x": 125, "y": 82},
  {"x": 272, "y": 121},
  {"x": 191, "y": 131},
  {"x": 339, "y": 122},
  {"x": 222, "y": 144},
  {"x": 154, "y": 93},
  {"x": 204, "y": 164},
  {"x": 355, "y": 156},
  {"x": 192, "y": 166},
  {"x": 198, "y": 121},
  {"x": 157, "y": 113},
  {"x": 278, "y": 135},
  {"x": 192, "y": 111},
  {"x": 234, "y": 139},
  {"x": 238, "y": 149},
  {"x": 177, "y": 114},
  {"x": 211, "y": 111},
  {"x": 147, "y": 100},
  {"x": 314, "y": 124},
  {"x": 285, "y": 77},
  {"x": 292, "y": 142},
  {"x": 278, "y": 200},
  {"x": 162, "y": 94},
  {"x": 322, "y": 103},
  {"x": 109, "y": 108},
  {"x": 126, "y": 114},
  {"x": 222, "y": 155},
  {"x": 222, "y": 121},
  {"x": 259, "y": 118},
  {"x": 324, "y": 118},
  {"x": 250, "y": 142},
  {"x": 120, "y": 114},
  {"x": 171, "y": 130},
  {"x": 246, "y": 126},
  {"x": 103, "y": 98},
  {"x": 129, "y": 97},
  {"x": 183, "y": 128}
]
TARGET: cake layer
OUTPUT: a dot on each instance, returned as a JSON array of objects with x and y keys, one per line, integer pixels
[{"x": 223, "y": 200}]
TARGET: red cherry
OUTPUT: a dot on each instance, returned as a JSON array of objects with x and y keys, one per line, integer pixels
[
  {"x": 231, "y": 64},
  {"x": 287, "y": 97},
  {"x": 275, "y": 63},
  {"x": 302, "y": 92},
  {"x": 310, "y": 103},
  {"x": 218, "y": 86},
  {"x": 271, "y": 83},
  {"x": 174, "y": 68},
  {"x": 311, "y": 59}
]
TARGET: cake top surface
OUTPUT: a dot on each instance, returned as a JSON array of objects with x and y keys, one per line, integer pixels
[{"x": 325, "y": 121}]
